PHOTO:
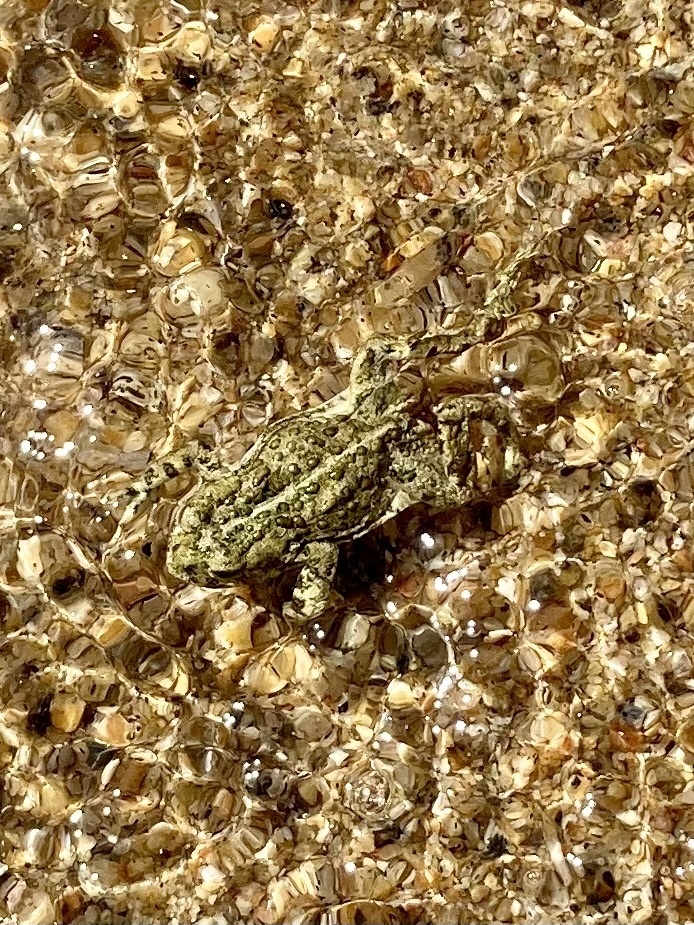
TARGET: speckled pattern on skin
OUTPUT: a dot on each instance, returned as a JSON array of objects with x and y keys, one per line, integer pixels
[{"x": 330, "y": 475}]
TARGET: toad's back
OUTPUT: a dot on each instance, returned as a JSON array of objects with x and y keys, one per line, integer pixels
[{"x": 317, "y": 477}]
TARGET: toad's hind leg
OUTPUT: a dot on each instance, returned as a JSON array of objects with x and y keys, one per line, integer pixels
[
  {"x": 497, "y": 306},
  {"x": 420, "y": 474},
  {"x": 313, "y": 586},
  {"x": 488, "y": 457},
  {"x": 157, "y": 474}
]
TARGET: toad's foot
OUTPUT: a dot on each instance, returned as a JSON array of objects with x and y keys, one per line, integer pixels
[
  {"x": 497, "y": 307},
  {"x": 313, "y": 586}
]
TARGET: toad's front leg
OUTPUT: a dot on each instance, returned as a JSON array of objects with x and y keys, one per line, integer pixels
[
  {"x": 313, "y": 586},
  {"x": 194, "y": 457}
]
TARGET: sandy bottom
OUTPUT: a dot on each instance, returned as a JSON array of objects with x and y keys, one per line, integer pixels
[{"x": 205, "y": 209}]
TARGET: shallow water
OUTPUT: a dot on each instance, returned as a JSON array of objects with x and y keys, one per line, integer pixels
[{"x": 204, "y": 210}]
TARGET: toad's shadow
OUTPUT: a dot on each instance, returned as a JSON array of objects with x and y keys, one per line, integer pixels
[{"x": 366, "y": 563}]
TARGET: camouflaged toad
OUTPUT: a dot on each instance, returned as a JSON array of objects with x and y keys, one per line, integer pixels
[{"x": 328, "y": 475}]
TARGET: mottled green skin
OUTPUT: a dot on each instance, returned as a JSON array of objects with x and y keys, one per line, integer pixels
[{"x": 328, "y": 475}]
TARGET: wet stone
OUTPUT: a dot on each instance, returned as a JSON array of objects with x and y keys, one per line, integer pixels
[{"x": 429, "y": 647}]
